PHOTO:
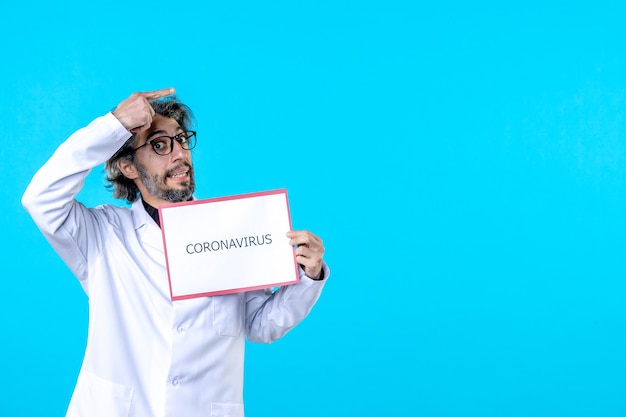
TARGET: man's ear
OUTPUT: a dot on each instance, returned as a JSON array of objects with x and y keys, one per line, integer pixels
[{"x": 127, "y": 168}]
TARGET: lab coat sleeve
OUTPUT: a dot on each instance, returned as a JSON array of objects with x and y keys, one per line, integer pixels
[
  {"x": 69, "y": 226},
  {"x": 270, "y": 315}
]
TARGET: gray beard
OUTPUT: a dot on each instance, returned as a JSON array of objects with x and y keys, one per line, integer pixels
[{"x": 156, "y": 186}]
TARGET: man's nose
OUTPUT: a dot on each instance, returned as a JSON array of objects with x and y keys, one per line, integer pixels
[{"x": 177, "y": 150}]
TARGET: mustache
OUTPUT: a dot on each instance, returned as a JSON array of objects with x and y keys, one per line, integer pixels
[{"x": 179, "y": 166}]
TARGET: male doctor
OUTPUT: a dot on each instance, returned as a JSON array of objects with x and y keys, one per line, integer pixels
[{"x": 147, "y": 356}]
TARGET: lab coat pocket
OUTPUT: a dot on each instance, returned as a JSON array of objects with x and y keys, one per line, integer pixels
[
  {"x": 97, "y": 397},
  {"x": 226, "y": 410},
  {"x": 228, "y": 314}
]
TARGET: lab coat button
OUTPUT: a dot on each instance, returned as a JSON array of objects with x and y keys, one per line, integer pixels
[
  {"x": 176, "y": 382},
  {"x": 180, "y": 329}
]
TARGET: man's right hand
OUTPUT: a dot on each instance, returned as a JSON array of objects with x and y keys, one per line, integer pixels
[{"x": 135, "y": 113}]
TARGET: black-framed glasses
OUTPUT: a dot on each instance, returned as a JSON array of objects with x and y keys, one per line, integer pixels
[{"x": 164, "y": 145}]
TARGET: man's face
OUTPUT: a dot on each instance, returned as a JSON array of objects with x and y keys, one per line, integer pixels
[{"x": 167, "y": 178}]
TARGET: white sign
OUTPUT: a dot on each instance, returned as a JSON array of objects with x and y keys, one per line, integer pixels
[{"x": 229, "y": 244}]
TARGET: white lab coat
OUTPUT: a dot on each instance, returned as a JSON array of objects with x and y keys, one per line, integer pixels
[{"x": 147, "y": 356}]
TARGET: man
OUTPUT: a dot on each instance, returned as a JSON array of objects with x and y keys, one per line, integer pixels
[{"x": 147, "y": 356}]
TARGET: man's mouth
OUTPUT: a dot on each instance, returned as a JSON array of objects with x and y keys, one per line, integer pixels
[{"x": 179, "y": 173}]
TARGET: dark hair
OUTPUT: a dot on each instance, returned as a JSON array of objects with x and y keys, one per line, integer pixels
[{"x": 124, "y": 188}]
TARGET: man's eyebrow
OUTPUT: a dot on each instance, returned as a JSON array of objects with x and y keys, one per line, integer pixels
[
  {"x": 155, "y": 133},
  {"x": 160, "y": 132}
]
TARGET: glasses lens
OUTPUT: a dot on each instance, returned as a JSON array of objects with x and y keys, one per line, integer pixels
[
  {"x": 162, "y": 145},
  {"x": 190, "y": 141}
]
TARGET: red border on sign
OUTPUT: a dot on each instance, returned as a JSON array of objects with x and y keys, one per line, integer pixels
[{"x": 215, "y": 200}]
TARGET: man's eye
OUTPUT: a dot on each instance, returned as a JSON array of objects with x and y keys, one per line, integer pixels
[{"x": 159, "y": 144}]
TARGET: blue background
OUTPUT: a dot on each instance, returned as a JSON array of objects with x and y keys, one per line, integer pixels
[{"x": 465, "y": 165}]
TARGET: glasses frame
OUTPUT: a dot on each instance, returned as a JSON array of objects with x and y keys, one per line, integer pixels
[{"x": 190, "y": 134}]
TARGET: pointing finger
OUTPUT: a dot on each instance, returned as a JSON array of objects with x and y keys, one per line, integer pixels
[{"x": 153, "y": 95}]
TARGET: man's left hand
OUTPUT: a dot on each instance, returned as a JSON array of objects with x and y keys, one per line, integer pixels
[{"x": 309, "y": 252}]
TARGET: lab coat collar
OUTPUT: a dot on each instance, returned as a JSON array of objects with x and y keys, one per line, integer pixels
[
  {"x": 146, "y": 227},
  {"x": 140, "y": 215}
]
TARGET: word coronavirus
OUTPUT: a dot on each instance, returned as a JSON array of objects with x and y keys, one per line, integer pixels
[{"x": 227, "y": 244}]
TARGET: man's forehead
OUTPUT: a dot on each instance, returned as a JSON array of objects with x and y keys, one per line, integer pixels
[
  {"x": 162, "y": 122},
  {"x": 161, "y": 125}
]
